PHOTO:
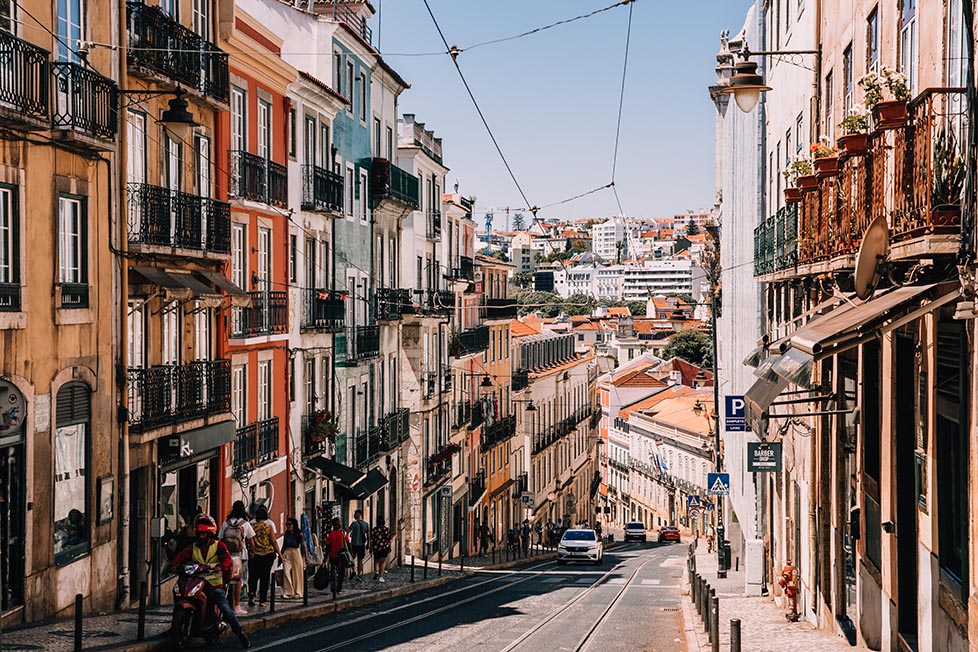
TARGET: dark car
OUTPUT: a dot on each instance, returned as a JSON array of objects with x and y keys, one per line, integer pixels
[{"x": 669, "y": 533}]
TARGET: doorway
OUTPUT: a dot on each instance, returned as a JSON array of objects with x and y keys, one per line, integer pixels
[
  {"x": 904, "y": 418},
  {"x": 12, "y": 526},
  {"x": 139, "y": 554}
]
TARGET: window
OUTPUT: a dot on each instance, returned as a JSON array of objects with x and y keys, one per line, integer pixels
[
  {"x": 326, "y": 155},
  {"x": 309, "y": 141},
  {"x": 293, "y": 256},
  {"x": 799, "y": 134},
  {"x": 201, "y": 18},
  {"x": 171, "y": 333},
  {"x": 9, "y": 249},
  {"x": 239, "y": 405},
  {"x": 956, "y": 47},
  {"x": 171, "y": 8},
  {"x": 349, "y": 85},
  {"x": 71, "y": 481},
  {"x": 239, "y": 138},
  {"x": 202, "y": 146},
  {"x": 787, "y": 147},
  {"x": 238, "y": 254},
  {"x": 136, "y": 154},
  {"x": 338, "y": 72},
  {"x": 873, "y": 41},
  {"x": 390, "y": 144},
  {"x": 310, "y": 385},
  {"x": 264, "y": 258},
  {"x": 847, "y": 80},
  {"x": 70, "y": 30},
  {"x": 362, "y": 190},
  {"x": 202, "y": 332},
  {"x": 349, "y": 191},
  {"x": 6, "y": 16},
  {"x": 264, "y": 390},
  {"x": 377, "y": 151},
  {"x": 829, "y": 106},
  {"x": 72, "y": 247},
  {"x": 264, "y": 129},
  {"x": 908, "y": 44},
  {"x": 363, "y": 96},
  {"x": 172, "y": 163},
  {"x": 292, "y": 133}
]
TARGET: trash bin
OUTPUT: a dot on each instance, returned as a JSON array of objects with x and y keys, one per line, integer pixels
[{"x": 725, "y": 555}]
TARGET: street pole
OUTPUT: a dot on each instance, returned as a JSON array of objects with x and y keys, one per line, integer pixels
[{"x": 718, "y": 458}]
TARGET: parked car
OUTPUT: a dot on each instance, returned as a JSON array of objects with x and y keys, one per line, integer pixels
[
  {"x": 669, "y": 533},
  {"x": 635, "y": 531},
  {"x": 580, "y": 545}
]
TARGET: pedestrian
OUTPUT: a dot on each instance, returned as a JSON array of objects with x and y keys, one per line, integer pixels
[
  {"x": 709, "y": 537},
  {"x": 525, "y": 535},
  {"x": 484, "y": 534},
  {"x": 359, "y": 532},
  {"x": 336, "y": 541},
  {"x": 597, "y": 529},
  {"x": 294, "y": 558},
  {"x": 538, "y": 528},
  {"x": 265, "y": 550},
  {"x": 237, "y": 533},
  {"x": 380, "y": 548}
]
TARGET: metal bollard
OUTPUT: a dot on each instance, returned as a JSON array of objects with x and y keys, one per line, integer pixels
[
  {"x": 412, "y": 569},
  {"x": 715, "y": 624},
  {"x": 707, "y": 620},
  {"x": 735, "y": 635},
  {"x": 424, "y": 576},
  {"x": 305, "y": 588},
  {"x": 693, "y": 588},
  {"x": 271, "y": 595},
  {"x": 141, "y": 622},
  {"x": 78, "y": 622},
  {"x": 494, "y": 554},
  {"x": 461, "y": 562}
]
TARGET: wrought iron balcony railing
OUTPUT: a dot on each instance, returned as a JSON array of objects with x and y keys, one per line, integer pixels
[
  {"x": 351, "y": 19},
  {"x": 519, "y": 380},
  {"x": 256, "y": 444},
  {"x": 462, "y": 415},
  {"x": 356, "y": 343},
  {"x": 433, "y": 224},
  {"x": 397, "y": 429},
  {"x": 391, "y": 182},
  {"x": 498, "y": 431},
  {"x": 464, "y": 269},
  {"x": 478, "y": 415},
  {"x": 258, "y": 179},
  {"x": 312, "y": 443},
  {"x": 477, "y": 486},
  {"x": 267, "y": 315},
  {"x": 473, "y": 340},
  {"x": 429, "y": 385},
  {"x": 323, "y": 309},
  {"x": 434, "y": 302},
  {"x": 25, "y": 84},
  {"x": 520, "y": 484},
  {"x": 391, "y": 303},
  {"x": 162, "y": 217},
  {"x": 500, "y": 308},
  {"x": 322, "y": 190},
  {"x": 168, "y": 394},
  {"x": 73, "y": 295},
  {"x": 84, "y": 101},
  {"x": 437, "y": 471},
  {"x": 161, "y": 45}
]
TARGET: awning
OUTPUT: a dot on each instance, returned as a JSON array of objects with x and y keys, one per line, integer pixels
[
  {"x": 178, "y": 285},
  {"x": 239, "y": 297},
  {"x": 335, "y": 470},
  {"x": 368, "y": 486},
  {"x": 759, "y": 397},
  {"x": 186, "y": 447}
]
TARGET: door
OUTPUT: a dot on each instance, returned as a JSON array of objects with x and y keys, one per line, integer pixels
[
  {"x": 136, "y": 169},
  {"x": 12, "y": 526},
  {"x": 264, "y": 275},
  {"x": 904, "y": 374},
  {"x": 140, "y": 558},
  {"x": 310, "y": 141}
]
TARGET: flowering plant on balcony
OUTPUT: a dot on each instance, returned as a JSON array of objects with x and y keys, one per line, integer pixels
[
  {"x": 857, "y": 122},
  {"x": 947, "y": 180},
  {"x": 800, "y": 166},
  {"x": 322, "y": 426},
  {"x": 444, "y": 455},
  {"x": 822, "y": 149}
]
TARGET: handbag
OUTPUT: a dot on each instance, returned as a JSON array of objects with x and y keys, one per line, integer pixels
[
  {"x": 346, "y": 556},
  {"x": 320, "y": 581},
  {"x": 235, "y": 568}
]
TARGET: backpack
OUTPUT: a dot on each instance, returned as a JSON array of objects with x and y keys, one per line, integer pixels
[
  {"x": 262, "y": 543},
  {"x": 234, "y": 537}
]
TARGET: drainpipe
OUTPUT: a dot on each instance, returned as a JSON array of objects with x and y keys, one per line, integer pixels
[{"x": 762, "y": 198}]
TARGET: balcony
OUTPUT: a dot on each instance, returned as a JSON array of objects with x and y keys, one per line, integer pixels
[
  {"x": 776, "y": 242},
  {"x": 473, "y": 340},
  {"x": 391, "y": 303},
  {"x": 500, "y": 309},
  {"x": 520, "y": 484},
  {"x": 429, "y": 385},
  {"x": 464, "y": 269},
  {"x": 433, "y": 224},
  {"x": 434, "y": 303},
  {"x": 85, "y": 102},
  {"x": 478, "y": 417},
  {"x": 267, "y": 315},
  {"x": 166, "y": 218},
  {"x": 9, "y": 297},
  {"x": 397, "y": 429},
  {"x": 519, "y": 380},
  {"x": 314, "y": 439},
  {"x": 168, "y": 394},
  {"x": 499, "y": 431},
  {"x": 351, "y": 19},
  {"x": 323, "y": 310},
  {"x": 25, "y": 86},
  {"x": 437, "y": 471},
  {"x": 73, "y": 295},
  {"x": 461, "y": 415},
  {"x": 160, "y": 46},
  {"x": 256, "y": 444},
  {"x": 392, "y": 183},
  {"x": 477, "y": 486},
  {"x": 357, "y": 343},
  {"x": 257, "y": 179},
  {"x": 322, "y": 190}
]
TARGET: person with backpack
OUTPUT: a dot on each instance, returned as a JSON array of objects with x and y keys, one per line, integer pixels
[
  {"x": 359, "y": 532},
  {"x": 264, "y": 552},
  {"x": 237, "y": 533},
  {"x": 380, "y": 548}
]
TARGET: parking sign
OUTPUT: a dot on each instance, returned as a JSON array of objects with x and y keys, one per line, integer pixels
[{"x": 735, "y": 414}]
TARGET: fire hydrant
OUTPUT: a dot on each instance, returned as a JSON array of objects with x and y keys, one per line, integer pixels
[{"x": 789, "y": 582}]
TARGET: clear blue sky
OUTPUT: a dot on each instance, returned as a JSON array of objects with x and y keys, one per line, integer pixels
[{"x": 552, "y": 98}]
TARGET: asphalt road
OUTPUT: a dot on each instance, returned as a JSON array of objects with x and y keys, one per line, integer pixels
[{"x": 630, "y": 603}]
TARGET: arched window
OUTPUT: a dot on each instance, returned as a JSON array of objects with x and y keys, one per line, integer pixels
[{"x": 71, "y": 481}]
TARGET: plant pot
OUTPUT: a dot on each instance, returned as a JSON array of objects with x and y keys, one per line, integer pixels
[
  {"x": 854, "y": 144},
  {"x": 891, "y": 114},
  {"x": 945, "y": 215},
  {"x": 792, "y": 195},
  {"x": 827, "y": 166},
  {"x": 807, "y": 183}
]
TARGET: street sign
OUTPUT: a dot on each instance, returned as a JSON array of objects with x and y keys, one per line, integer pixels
[
  {"x": 446, "y": 491},
  {"x": 526, "y": 497},
  {"x": 735, "y": 414},
  {"x": 693, "y": 502},
  {"x": 710, "y": 507},
  {"x": 764, "y": 457},
  {"x": 718, "y": 484}
]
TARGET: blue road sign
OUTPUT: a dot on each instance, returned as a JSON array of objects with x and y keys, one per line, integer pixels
[
  {"x": 735, "y": 414},
  {"x": 693, "y": 502},
  {"x": 718, "y": 484}
]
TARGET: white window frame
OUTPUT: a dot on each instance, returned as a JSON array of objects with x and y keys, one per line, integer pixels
[
  {"x": 9, "y": 236},
  {"x": 71, "y": 29},
  {"x": 71, "y": 240},
  {"x": 909, "y": 47},
  {"x": 239, "y": 117},
  {"x": 239, "y": 385},
  {"x": 264, "y": 129},
  {"x": 136, "y": 147},
  {"x": 170, "y": 333},
  {"x": 349, "y": 190},
  {"x": 364, "y": 203},
  {"x": 264, "y": 390},
  {"x": 201, "y": 18}
]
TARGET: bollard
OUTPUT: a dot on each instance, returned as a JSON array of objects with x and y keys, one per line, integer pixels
[
  {"x": 412, "y": 569},
  {"x": 735, "y": 635},
  {"x": 694, "y": 588},
  {"x": 78, "y": 622},
  {"x": 707, "y": 605},
  {"x": 271, "y": 596},
  {"x": 439, "y": 564},
  {"x": 305, "y": 588},
  {"x": 715, "y": 624},
  {"x": 424, "y": 576},
  {"x": 493, "y": 554},
  {"x": 141, "y": 622},
  {"x": 461, "y": 562}
]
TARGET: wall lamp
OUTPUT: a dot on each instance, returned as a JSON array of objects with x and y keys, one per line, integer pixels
[
  {"x": 177, "y": 119},
  {"x": 746, "y": 84}
]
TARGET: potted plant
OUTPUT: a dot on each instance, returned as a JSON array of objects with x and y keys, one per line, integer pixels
[
  {"x": 826, "y": 159},
  {"x": 855, "y": 141},
  {"x": 322, "y": 427},
  {"x": 887, "y": 114},
  {"x": 798, "y": 168},
  {"x": 947, "y": 181}
]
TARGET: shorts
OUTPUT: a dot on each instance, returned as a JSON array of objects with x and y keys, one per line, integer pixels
[{"x": 359, "y": 552}]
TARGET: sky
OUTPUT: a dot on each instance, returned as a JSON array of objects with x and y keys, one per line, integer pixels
[{"x": 551, "y": 99}]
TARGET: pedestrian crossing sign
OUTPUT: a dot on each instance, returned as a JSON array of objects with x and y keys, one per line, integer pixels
[{"x": 718, "y": 484}]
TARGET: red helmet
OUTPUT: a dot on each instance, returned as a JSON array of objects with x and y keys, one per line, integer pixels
[{"x": 205, "y": 524}]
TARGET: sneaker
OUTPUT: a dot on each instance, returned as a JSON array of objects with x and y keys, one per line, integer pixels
[
  {"x": 376, "y": 576},
  {"x": 261, "y": 605},
  {"x": 381, "y": 579},
  {"x": 251, "y": 600},
  {"x": 243, "y": 639},
  {"x": 240, "y": 611}
]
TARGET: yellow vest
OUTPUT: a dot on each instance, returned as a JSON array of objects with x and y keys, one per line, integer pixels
[{"x": 215, "y": 578}]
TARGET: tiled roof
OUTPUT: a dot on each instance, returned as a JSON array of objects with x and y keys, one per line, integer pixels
[
  {"x": 650, "y": 401},
  {"x": 519, "y": 328}
]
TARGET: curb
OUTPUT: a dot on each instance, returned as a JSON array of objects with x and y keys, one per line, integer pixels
[{"x": 691, "y": 629}]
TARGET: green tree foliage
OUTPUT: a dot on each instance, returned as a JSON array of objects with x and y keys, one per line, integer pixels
[
  {"x": 579, "y": 304},
  {"x": 522, "y": 280},
  {"x": 547, "y": 303},
  {"x": 692, "y": 228},
  {"x": 519, "y": 223},
  {"x": 499, "y": 254},
  {"x": 637, "y": 308},
  {"x": 691, "y": 346}
]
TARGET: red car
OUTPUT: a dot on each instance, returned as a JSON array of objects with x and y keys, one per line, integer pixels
[{"x": 669, "y": 533}]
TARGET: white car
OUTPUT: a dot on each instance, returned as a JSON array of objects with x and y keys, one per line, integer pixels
[
  {"x": 635, "y": 530},
  {"x": 580, "y": 545}
]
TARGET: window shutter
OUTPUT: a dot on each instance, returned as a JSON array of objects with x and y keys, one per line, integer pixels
[{"x": 74, "y": 404}]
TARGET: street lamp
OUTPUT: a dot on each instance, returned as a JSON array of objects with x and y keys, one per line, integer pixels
[
  {"x": 486, "y": 381},
  {"x": 746, "y": 84},
  {"x": 176, "y": 120}
]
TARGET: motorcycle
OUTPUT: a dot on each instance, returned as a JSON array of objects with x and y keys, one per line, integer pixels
[{"x": 194, "y": 614}]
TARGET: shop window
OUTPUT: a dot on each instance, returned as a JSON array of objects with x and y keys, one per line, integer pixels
[{"x": 71, "y": 456}]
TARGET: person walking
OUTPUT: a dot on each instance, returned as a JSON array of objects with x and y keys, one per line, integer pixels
[
  {"x": 484, "y": 534},
  {"x": 336, "y": 541},
  {"x": 265, "y": 550},
  {"x": 359, "y": 532},
  {"x": 294, "y": 558},
  {"x": 236, "y": 533},
  {"x": 525, "y": 536},
  {"x": 380, "y": 548}
]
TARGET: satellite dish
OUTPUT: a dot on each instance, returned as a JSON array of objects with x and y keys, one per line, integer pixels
[{"x": 873, "y": 251}]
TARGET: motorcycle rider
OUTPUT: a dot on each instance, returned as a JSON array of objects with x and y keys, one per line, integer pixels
[{"x": 208, "y": 551}]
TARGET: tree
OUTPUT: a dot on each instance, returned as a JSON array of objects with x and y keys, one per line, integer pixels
[
  {"x": 692, "y": 346},
  {"x": 637, "y": 308},
  {"x": 579, "y": 304},
  {"x": 692, "y": 228},
  {"x": 518, "y": 222},
  {"x": 499, "y": 254},
  {"x": 522, "y": 280},
  {"x": 547, "y": 303},
  {"x": 682, "y": 296}
]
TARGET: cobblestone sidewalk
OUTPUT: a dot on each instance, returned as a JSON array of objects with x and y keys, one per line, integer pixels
[{"x": 762, "y": 622}]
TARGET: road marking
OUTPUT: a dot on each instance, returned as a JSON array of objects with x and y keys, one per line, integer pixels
[{"x": 651, "y": 582}]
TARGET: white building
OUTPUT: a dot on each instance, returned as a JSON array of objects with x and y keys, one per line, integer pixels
[
  {"x": 606, "y": 236},
  {"x": 653, "y": 277}
]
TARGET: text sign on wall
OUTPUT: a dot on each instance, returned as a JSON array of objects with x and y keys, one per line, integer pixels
[
  {"x": 735, "y": 414},
  {"x": 764, "y": 457}
]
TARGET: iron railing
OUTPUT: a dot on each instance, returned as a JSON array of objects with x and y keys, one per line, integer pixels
[
  {"x": 168, "y": 394},
  {"x": 433, "y": 224},
  {"x": 84, "y": 101},
  {"x": 256, "y": 444},
  {"x": 519, "y": 380},
  {"x": 435, "y": 302},
  {"x": 464, "y": 269},
  {"x": 478, "y": 415},
  {"x": 521, "y": 483},
  {"x": 353, "y": 20},
  {"x": 74, "y": 295},
  {"x": 160, "y": 44},
  {"x": 257, "y": 179},
  {"x": 323, "y": 309},
  {"x": 322, "y": 190},
  {"x": 356, "y": 343},
  {"x": 391, "y": 303},
  {"x": 397, "y": 428},
  {"x": 462, "y": 415},
  {"x": 25, "y": 80},
  {"x": 429, "y": 384},
  {"x": 267, "y": 315},
  {"x": 473, "y": 340},
  {"x": 436, "y": 471},
  {"x": 500, "y": 308},
  {"x": 391, "y": 182},
  {"x": 477, "y": 486},
  {"x": 312, "y": 445},
  {"x": 158, "y": 216},
  {"x": 498, "y": 431}
]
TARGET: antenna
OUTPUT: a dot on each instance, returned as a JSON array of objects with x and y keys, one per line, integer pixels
[{"x": 873, "y": 252}]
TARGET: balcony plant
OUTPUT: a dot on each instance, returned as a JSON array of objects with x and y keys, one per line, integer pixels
[
  {"x": 826, "y": 158},
  {"x": 855, "y": 141},
  {"x": 444, "y": 455},
  {"x": 947, "y": 181},
  {"x": 798, "y": 175},
  {"x": 887, "y": 114},
  {"x": 322, "y": 427}
]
